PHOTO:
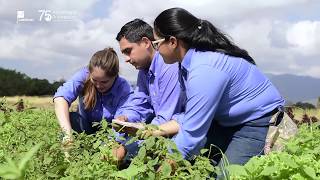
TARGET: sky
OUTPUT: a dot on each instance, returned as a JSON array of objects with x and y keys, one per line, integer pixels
[{"x": 283, "y": 36}]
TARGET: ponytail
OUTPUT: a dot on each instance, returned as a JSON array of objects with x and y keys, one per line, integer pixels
[{"x": 196, "y": 33}]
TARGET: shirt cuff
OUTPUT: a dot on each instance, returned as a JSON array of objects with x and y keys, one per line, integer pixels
[
  {"x": 178, "y": 117},
  {"x": 132, "y": 116}
]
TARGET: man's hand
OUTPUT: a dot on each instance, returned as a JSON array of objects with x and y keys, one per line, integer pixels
[
  {"x": 173, "y": 165},
  {"x": 119, "y": 128},
  {"x": 144, "y": 134},
  {"x": 122, "y": 118},
  {"x": 119, "y": 152}
]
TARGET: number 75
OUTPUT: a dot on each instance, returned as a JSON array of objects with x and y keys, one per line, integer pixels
[{"x": 46, "y": 14}]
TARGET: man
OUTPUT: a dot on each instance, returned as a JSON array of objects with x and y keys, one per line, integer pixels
[{"x": 156, "y": 97}]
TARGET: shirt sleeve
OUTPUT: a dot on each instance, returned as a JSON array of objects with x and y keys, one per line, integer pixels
[
  {"x": 137, "y": 107},
  {"x": 125, "y": 93},
  {"x": 178, "y": 117},
  {"x": 204, "y": 89},
  {"x": 71, "y": 89},
  {"x": 169, "y": 89}
]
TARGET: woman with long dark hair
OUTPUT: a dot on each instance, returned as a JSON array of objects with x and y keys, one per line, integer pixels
[{"x": 228, "y": 101}]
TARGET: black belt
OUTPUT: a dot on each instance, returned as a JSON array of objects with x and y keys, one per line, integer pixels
[{"x": 270, "y": 113}]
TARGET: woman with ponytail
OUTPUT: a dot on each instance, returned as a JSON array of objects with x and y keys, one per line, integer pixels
[
  {"x": 228, "y": 101},
  {"x": 101, "y": 94}
]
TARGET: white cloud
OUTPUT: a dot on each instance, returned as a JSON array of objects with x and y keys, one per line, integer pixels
[
  {"x": 304, "y": 37},
  {"x": 262, "y": 27}
]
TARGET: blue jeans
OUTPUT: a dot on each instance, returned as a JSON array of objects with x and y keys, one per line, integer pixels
[{"x": 239, "y": 143}]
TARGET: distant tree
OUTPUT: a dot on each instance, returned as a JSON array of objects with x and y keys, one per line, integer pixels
[
  {"x": 14, "y": 83},
  {"x": 57, "y": 84},
  {"x": 304, "y": 105},
  {"x": 289, "y": 103},
  {"x": 318, "y": 103}
]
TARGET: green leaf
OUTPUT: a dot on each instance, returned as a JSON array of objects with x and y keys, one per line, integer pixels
[
  {"x": 236, "y": 170},
  {"x": 202, "y": 151},
  {"x": 142, "y": 152},
  {"x": 104, "y": 124},
  {"x": 153, "y": 162},
  {"x": 166, "y": 169},
  {"x": 8, "y": 171},
  {"x": 150, "y": 142},
  {"x": 28, "y": 156},
  {"x": 52, "y": 175},
  {"x": 310, "y": 172},
  {"x": 151, "y": 175},
  {"x": 130, "y": 172},
  {"x": 288, "y": 161},
  {"x": 292, "y": 148},
  {"x": 132, "y": 140},
  {"x": 10, "y": 175},
  {"x": 47, "y": 159},
  {"x": 96, "y": 144},
  {"x": 268, "y": 171}
]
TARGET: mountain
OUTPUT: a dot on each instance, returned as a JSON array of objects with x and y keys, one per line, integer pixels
[{"x": 297, "y": 88}]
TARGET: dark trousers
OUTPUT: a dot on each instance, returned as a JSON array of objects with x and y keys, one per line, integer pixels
[
  {"x": 239, "y": 143},
  {"x": 81, "y": 124}
]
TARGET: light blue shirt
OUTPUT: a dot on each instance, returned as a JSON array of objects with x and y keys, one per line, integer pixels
[
  {"x": 156, "y": 97},
  {"x": 108, "y": 104},
  {"x": 223, "y": 88}
]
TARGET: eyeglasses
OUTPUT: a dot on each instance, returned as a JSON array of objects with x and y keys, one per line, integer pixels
[{"x": 156, "y": 43}]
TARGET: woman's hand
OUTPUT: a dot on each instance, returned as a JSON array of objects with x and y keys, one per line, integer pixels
[{"x": 66, "y": 145}]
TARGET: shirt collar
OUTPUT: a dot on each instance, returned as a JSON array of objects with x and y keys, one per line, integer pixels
[
  {"x": 186, "y": 61},
  {"x": 152, "y": 69}
]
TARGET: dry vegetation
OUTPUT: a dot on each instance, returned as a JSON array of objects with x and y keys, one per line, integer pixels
[{"x": 45, "y": 102}]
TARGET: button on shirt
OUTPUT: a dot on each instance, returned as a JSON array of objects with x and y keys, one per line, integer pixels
[
  {"x": 157, "y": 94},
  {"x": 108, "y": 104},
  {"x": 223, "y": 88}
]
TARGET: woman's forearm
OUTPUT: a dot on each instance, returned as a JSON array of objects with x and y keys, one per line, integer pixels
[{"x": 62, "y": 113}]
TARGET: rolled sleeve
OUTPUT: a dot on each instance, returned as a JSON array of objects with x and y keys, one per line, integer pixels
[
  {"x": 73, "y": 87},
  {"x": 178, "y": 118}
]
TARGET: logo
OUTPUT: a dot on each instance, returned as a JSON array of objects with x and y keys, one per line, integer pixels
[
  {"x": 46, "y": 15},
  {"x": 21, "y": 17},
  {"x": 20, "y": 14}
]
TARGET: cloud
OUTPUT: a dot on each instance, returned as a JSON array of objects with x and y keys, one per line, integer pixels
[
  {"x": 304, "y": 37},
  {"x": 267, "y": 29}
]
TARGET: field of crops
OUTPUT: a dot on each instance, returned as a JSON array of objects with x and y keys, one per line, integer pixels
[{"x": 30, "y": 148}]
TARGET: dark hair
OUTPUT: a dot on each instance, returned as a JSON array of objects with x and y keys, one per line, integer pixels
[
  {"x": 135, "y": 30},
  {"x": 108, "y": 61},
  {"x": 196, "y": 33}
]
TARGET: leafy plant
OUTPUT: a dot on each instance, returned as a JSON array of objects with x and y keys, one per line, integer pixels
[{"x": 16, "y": 170}]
